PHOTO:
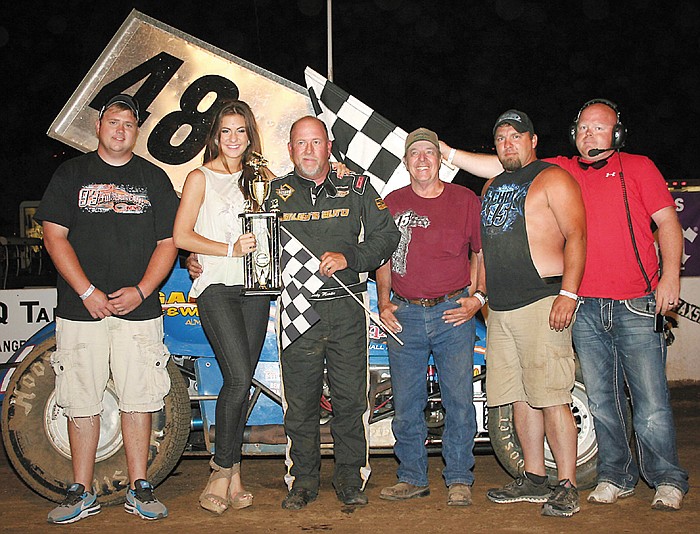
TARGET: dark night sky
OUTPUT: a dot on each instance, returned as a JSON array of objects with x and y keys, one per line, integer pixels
[{"x": 452, "y": 66}]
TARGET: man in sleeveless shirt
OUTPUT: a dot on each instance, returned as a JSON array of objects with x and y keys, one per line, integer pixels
[
  {"x": 533, "y": 232},
  {"x": 436, "y": 294}
]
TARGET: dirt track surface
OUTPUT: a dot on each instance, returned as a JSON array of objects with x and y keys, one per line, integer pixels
[{"x": 24, "y": 511}]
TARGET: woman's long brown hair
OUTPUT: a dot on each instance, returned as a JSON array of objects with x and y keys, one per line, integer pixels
[{"x": 211, "y": 151}]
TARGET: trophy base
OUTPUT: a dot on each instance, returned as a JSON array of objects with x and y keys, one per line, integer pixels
[
  {"x": 262, "y": 273},
  {"x": 258, "y": 291}
]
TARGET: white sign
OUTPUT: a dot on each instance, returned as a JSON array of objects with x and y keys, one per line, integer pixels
[
  {"x": 682, "y": 361},
  {"x": 22, "y": 313}
]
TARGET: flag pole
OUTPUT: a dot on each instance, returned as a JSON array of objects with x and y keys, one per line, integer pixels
[
  {"x": 372, "y": 315},
  {"x": 329, "y": 25}
]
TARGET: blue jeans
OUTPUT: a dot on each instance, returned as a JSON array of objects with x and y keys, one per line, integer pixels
[
  {"x": 236, "y": 327},
  {"x": 425, "y": 333},
  {"x": 616, "y": 343}
]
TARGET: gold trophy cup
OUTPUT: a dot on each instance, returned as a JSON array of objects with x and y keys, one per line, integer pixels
[{"x": 261, "y": 268}]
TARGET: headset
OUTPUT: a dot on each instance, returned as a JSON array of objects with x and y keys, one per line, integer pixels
[{"x": 619, "y": 133}]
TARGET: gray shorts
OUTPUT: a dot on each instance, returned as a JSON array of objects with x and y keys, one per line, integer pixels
[
  {"x": 86, "y": 353},
  {"x": 526, "y": 360}
]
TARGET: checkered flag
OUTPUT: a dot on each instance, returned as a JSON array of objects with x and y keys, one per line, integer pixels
[
  {"x": 301, "y": 279},
  {"x": 362, "y": 139}
]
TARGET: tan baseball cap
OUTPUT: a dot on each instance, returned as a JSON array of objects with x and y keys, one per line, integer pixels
[{"x": 422, "y": 134}]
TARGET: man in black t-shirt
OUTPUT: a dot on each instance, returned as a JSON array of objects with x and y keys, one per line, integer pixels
[{"x": 108, "y": 218}]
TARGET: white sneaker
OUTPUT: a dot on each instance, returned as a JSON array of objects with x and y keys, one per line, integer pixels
[
  {"x": 607, "y": 493},
  {"x": 667, "y": 498}
]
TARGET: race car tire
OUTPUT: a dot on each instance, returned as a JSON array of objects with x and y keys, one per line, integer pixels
[
  {"x": 505, "y": 444},
  {"x": 34, "y": 432}
]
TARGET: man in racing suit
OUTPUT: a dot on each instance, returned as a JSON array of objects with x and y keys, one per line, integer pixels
[{"x": 345, "y": 223}]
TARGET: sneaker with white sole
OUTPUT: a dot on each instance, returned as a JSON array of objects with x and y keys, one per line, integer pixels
[
  {"x": 607, "y": 493},
  {"x": 522, "y": 489},
  {"x": 667, "y": 498},
  {"x": 77, "y": 505},
  {"x": 563, "y": 502},
  {"x": 141, "y": 501}
]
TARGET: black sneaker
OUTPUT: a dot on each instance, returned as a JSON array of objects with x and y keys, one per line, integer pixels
[
  {"x": 522, "y": 489},
  {"x": 563, "y": 502},
  {"x": 297, "y": 499},
  {"x": 352, "y": 495},
  {"x": 77, "y": 505}
]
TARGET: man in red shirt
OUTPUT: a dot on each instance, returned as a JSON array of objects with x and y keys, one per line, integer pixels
[{"x": 436, "y": 293}]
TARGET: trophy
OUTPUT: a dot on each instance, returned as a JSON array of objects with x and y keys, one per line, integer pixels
[{"x": 261, "y": 268}]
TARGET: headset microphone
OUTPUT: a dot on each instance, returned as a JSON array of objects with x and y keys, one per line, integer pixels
[
  {"x": 597, "y": 151},
  {"x": 619, "y": 132}
]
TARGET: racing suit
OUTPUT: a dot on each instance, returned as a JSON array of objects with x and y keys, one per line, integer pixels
[{"x": 343, "y": 215}]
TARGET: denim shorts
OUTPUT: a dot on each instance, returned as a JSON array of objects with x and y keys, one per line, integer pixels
[{"x": 86, "y": 352}]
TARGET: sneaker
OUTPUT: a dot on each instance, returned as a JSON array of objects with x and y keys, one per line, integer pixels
[
  {"x": 403, "y": 491},
  {"x": 298, "y": 498},
  {"x": 607, "y": 493},
  {"x": 352, "y": 496},
  {"x": 141, "y": 502},
  {"x": 522, "y": 489},
  {"x": 667, "y": 498},
  {"x": 563, "y": 502},
  {"x": 77, "y": 505}
]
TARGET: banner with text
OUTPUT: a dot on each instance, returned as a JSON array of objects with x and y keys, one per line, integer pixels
[{"x": 22, "y": 313}]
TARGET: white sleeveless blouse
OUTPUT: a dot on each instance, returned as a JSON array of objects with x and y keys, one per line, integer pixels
[{"x": 218, "y": 220}]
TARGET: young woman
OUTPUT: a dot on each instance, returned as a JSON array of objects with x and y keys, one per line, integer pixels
[{"x": 207, "y": 224}]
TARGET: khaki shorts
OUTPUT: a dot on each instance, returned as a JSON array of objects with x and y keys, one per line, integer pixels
[
  {"x": 526, "y": 360},
  {"x": 86, "y": 352}
]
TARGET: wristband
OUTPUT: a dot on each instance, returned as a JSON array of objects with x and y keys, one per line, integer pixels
[
  {"x": 565, "y": 293},
  {"x": 481, "y": 297},
  {"x": 140, "y": 292},
  {"x": 451, "y": 155},
  {"x": 229, "y": 251},
  {"x": 88, "y": 292}
]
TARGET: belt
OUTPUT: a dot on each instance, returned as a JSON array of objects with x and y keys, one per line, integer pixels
[{"x": 429, "y": 303}]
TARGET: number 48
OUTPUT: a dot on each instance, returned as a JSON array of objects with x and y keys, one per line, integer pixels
[{"x": 156, "y": 73}]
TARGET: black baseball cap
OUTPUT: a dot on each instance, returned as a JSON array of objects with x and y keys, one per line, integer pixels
[
  {"x": 127, "y": 100},
  {"x": 517, "y": 119}
]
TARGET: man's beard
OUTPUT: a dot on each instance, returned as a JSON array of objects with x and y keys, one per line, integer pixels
[
  {"x": 512, "y": 164},
  {"x": 310, "y": 170}
]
